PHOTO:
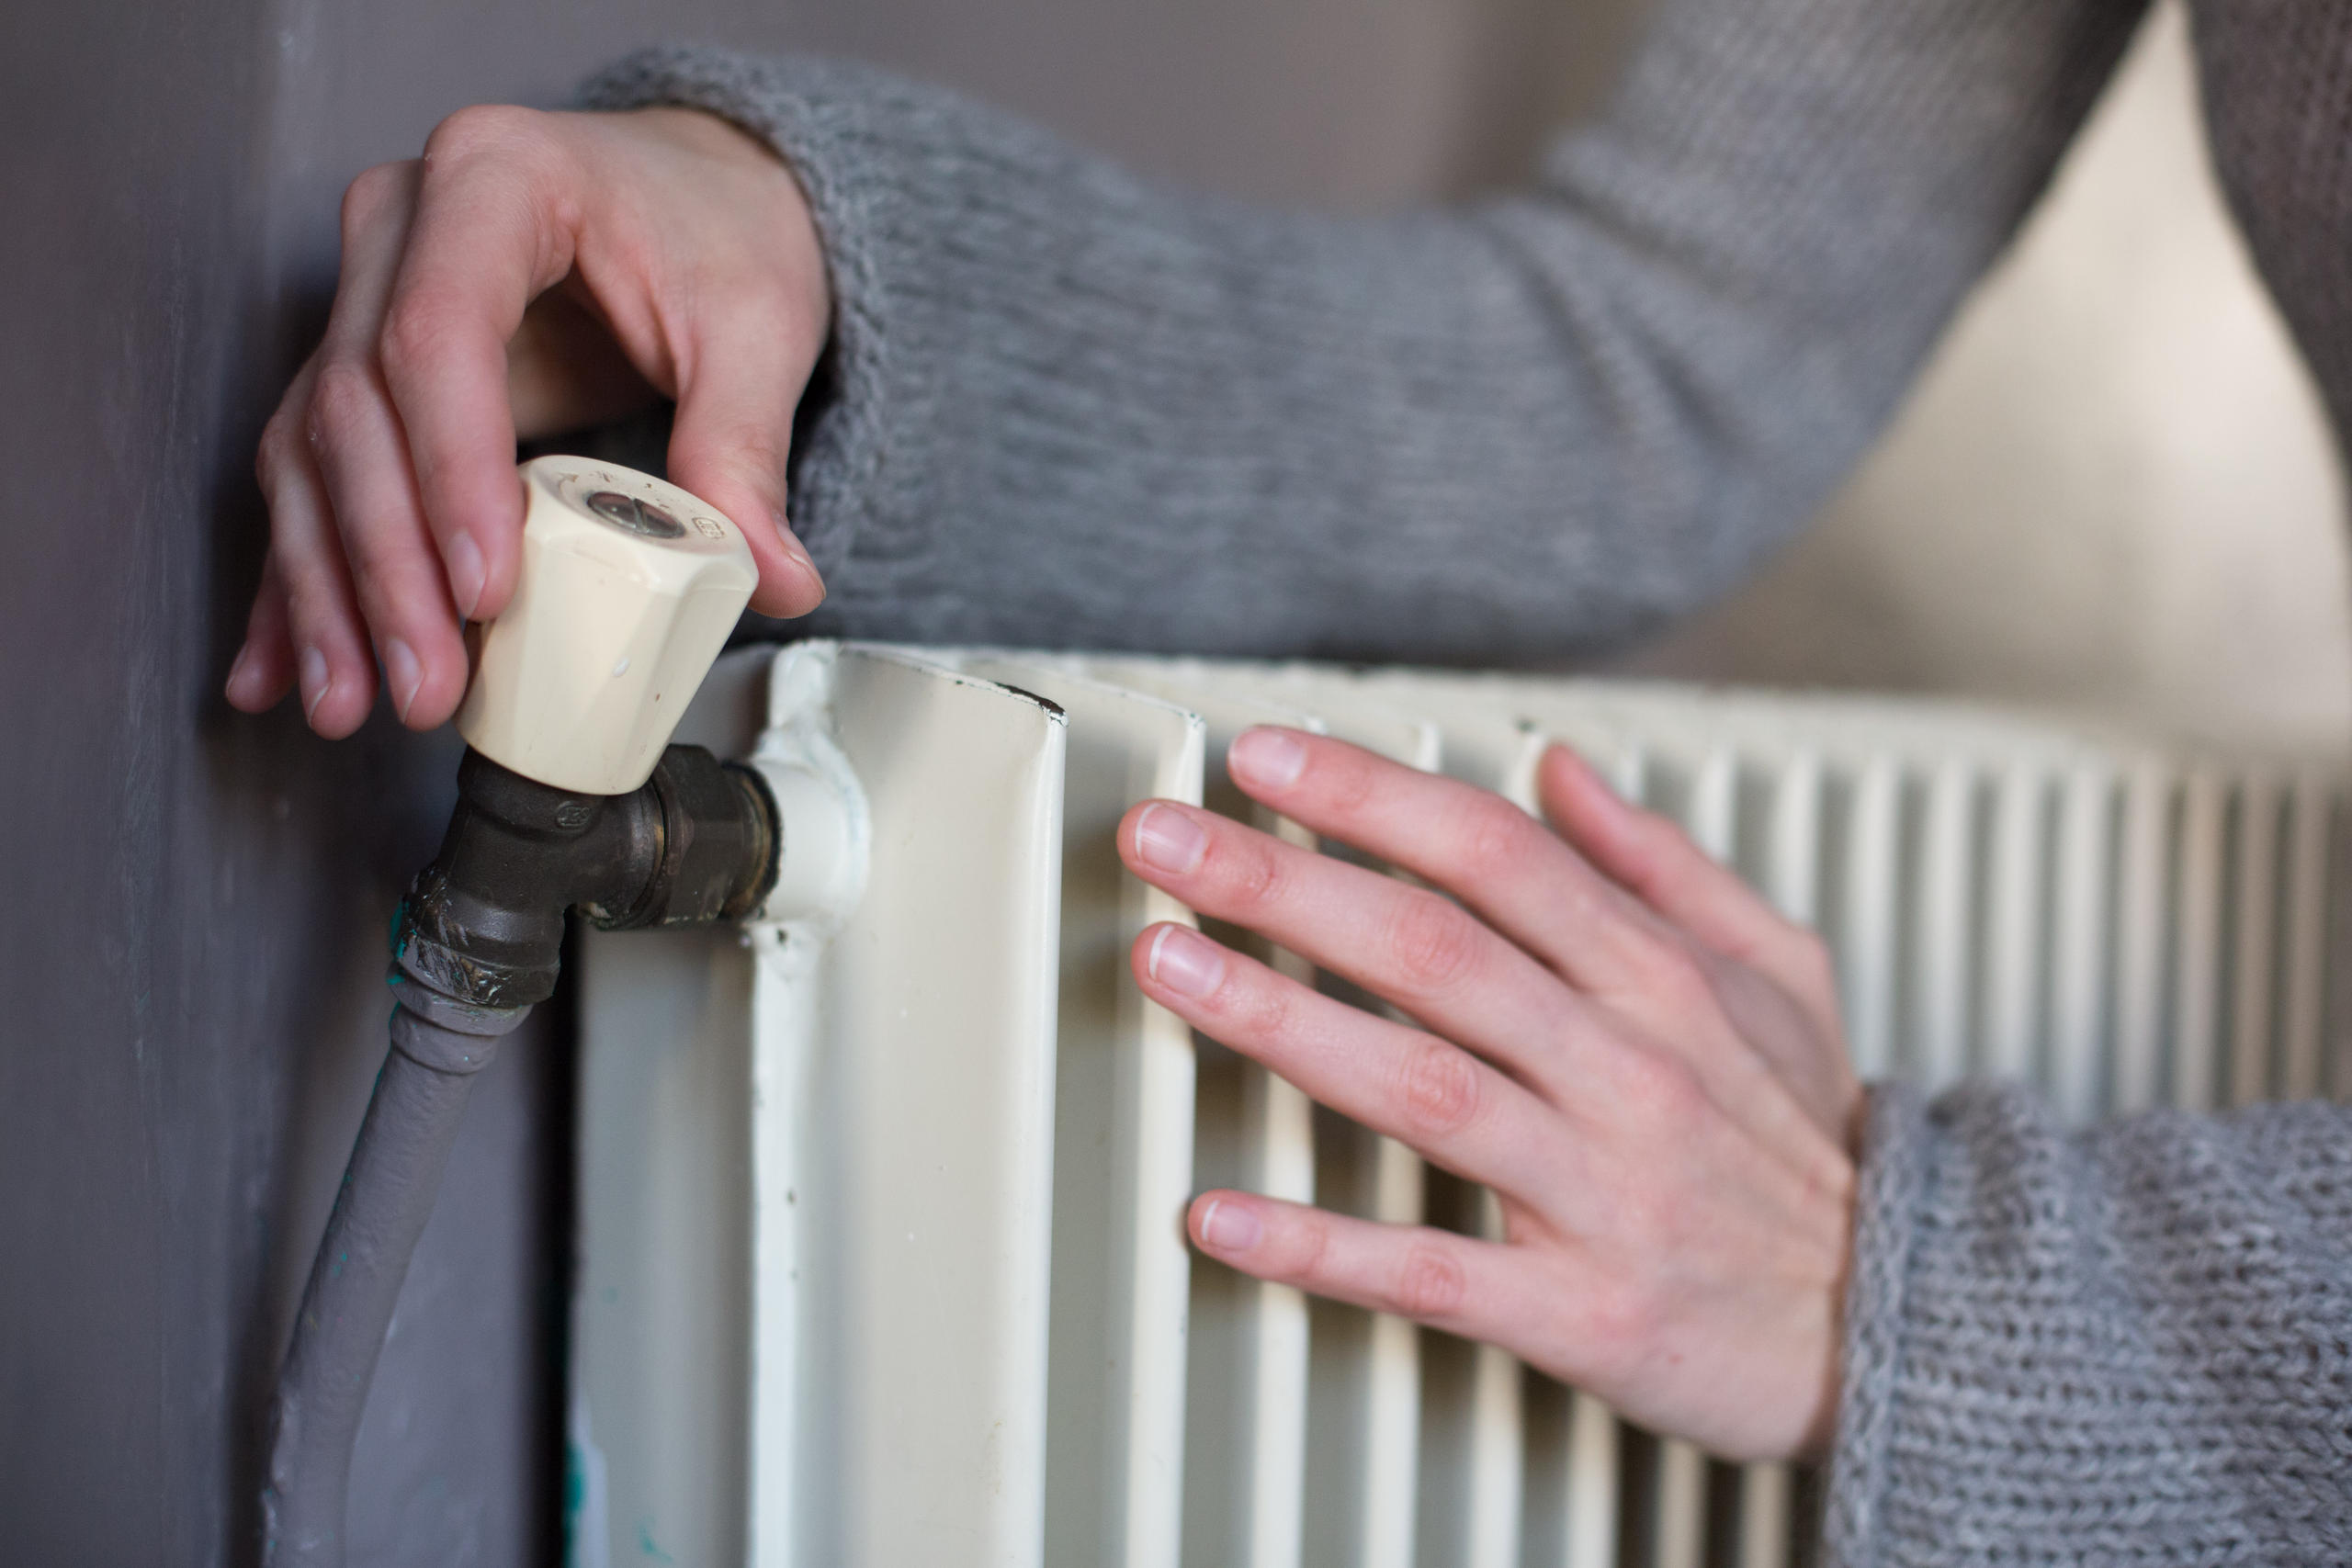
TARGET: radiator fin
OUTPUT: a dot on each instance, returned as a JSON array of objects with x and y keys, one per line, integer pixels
[{"x": 882, "y": 1247}]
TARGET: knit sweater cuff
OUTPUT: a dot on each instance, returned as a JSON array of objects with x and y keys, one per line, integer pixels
[
  {"x": 843, "y": 130},
  {"x": 1886, "y": 1207}
]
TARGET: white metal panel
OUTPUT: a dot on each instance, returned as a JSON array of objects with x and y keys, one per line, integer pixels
[
  {"x": 1942, "y": 909},
  {"x": 1868, "y": 923},
  {"x": 659, "y": 1401},
  {"x": 1359, "y": 1486},
  {"x": 2198, "y": 956},
  {"x": 1245, "y": 1454},
  {"x": 2015, "y": 942},
  {"x": 902, "y": 1137},
  {"x": 2080, "y": 970},
  {"x": 2000, "y": 895},
  {"x": 2143, "y": 897},
  {"x": 1123, "y": 1144},
  {"x": 2303, "y": 1024},
  {"x": 2254, "y": 928},
  {"x": 661, "y": 1313},
  {"x": 1579, "y": 1495}
]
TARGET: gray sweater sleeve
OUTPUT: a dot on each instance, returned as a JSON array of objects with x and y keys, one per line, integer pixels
[
  {"x": 2133, "y": 1343},
  {"x": 1064, "y": 406}
]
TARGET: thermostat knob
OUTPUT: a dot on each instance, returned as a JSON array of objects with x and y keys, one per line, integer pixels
[{"x": 629, "y": 589}]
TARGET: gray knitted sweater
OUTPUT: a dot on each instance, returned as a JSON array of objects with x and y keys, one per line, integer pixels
[{"x": 1063, "y": 406}]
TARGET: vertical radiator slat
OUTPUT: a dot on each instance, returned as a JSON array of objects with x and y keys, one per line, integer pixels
[
  {"x": 1867, "y": 932},
  {"x": 2013, "y": 939},
  {"x": 884, "y": 1165},
  {"x": 2303, "y": 1028},
  {"x": 2000, "y": 897},
  {"x": 1245, "y": 1452},
  {"x": 2254, "y": 899},
  {"x": 2144, "y": 894},
  {"x": 1362, "y": 1482},
  {"x": 1582, "y": 1487},
  {"x": 1790, "y": 876},
  {"x": 1710, "y": 812},
  {"x": 1497, "y": 1436},
  {"x": 1122, "y": 1142},
  {"x": 2079, "y": 969},
  {"x": 2196, "y": 1036},
  {"x": 1943, "y": 940},
  {"x": 1576, "y": 1491}
]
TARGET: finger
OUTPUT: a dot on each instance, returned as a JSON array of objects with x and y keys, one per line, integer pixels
[
  {"x": 1404, "y": 944},
  {"x": 1534, "y": 888},
  {"x": 333, "y": 672},
  {"x": 1502, "y": 864},
  {"x": 264, "y": 670},
  {"x": 1480, "y": 1289},
  {"x": 1423, "y": 1091},
  {"x": 733, "y": 437},
  {"x": 362, "y": 460},
  {"x": 1657, "y": 862},
  {"x": 494, "y": 209}
]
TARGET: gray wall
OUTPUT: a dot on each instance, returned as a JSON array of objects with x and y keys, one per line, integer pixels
[{"x": 191, "y": 938}]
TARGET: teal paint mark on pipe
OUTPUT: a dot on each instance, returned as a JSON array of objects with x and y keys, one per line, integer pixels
[{"x": 645, "y": 1542}]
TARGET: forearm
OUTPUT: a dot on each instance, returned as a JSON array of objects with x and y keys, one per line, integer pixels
[
  {"x": 1067, "y": 406},
  {"x": 2134, "y": 1342}
]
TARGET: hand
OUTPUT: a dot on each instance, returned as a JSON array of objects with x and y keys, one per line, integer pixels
[
  {"x": 1639, "y": 1056},
  {"x": 533, "y": 273}
]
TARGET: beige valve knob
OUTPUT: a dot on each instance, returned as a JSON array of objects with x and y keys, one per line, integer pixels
[{"x": 627, "y": 590}]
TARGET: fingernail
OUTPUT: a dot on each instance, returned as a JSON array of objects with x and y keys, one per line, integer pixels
[
  {"x": 312, "y": 667},
  {"x": 466, "y": 573},
  {"x": 402, "y": 674},
  {"x": 1186, "y": 962},
  {"x": 794, "y": 551},
  {"x": 1270, "y": 759},
  {"x": 1167, "y": 840},
  {"x": 237, "y": 672},
  {"x": 1229, "y": 1227}
]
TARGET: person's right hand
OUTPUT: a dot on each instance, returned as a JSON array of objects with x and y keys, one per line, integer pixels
[{"x": 531, "y": 274}]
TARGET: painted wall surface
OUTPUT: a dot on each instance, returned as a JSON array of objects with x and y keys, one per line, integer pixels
[
  {"x": 191, "y": 940},
  {"x": 2110, "y": 491}
]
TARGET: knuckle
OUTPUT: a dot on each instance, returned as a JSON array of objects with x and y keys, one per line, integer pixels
[
  {"x": 1661, "y": 1092},
  {"x": 1253, "y": 871},
  {"x": 1670, "y": 975},
  {"x": 416, "y": 326},
  {"x": 340, "y": 400},
  {"x": 1619, "y": 1313},
  {"x": 1349, "y": 780},
  {"x": 1310, "y": 1247},
  {"x": 1266, "y": 1015},
  {"x": 484, "y": 127},
  {"x": 1430, "y": 1283},
  {"x": 1438, "y": 1088},
  {"x": 1814, "y": 966},
  {"x": 276, "y": 452},
  {"x": 368, "y": 196},
  {"x": 1495, "y": 840},
  {"x": 1433, "y": 945}
]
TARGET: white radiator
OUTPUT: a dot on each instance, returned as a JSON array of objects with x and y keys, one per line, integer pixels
[{"x": 881, "y": 1255}]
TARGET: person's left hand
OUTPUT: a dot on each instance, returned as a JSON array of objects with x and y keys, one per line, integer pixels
[{"x": 1638, "y": 1053}]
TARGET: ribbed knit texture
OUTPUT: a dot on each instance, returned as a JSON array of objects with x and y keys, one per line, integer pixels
[
  {"x": 2132, "y": 1345},
  {"x": 1069, "y": 407},
  {"x": 1063, "y": 406}
]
